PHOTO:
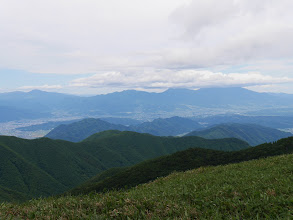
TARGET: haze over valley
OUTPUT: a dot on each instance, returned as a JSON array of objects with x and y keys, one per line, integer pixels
[{"x": 38, "y": 107}]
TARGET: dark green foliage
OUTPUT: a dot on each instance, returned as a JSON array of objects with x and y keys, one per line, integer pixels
[
  {"x": 19, "y": 174},
  {"x": 43, "y": 167},
  {"x": 106, "y": 174},
  {"x": 135, "y": 147},
  {"x": 101, "y": 135},
  {"x": 258, "y": 189},
  {"x": 12, "y": 196},
  {"x": 251, "y": 133},
  {"x": 181, "y": 161}
]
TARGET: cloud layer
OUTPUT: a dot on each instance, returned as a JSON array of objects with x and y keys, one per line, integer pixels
[
  {"x": 231, "y": 32},
  {"x": 138, "y": 44},
  {"x": 85, "y": 36},
  {"x": 175, "y": 79},
  {"x": 42, "y": 87}
]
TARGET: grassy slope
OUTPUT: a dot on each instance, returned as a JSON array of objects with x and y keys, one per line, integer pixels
[
  {"x": 257, "y": 189},
  {"x": 55, "y": 166},
  {"x": 252, "y": 134},
  {"x": 180, "y": 161}
]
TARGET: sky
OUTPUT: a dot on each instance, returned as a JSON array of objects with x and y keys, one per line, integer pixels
[{"x": 101, "y": 46}]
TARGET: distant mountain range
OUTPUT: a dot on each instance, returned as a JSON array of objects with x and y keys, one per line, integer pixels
[
  {"x": 144, "y": 105},
  {"x": 267, "y": 121},
  {"x": 251, "y": 133},
  {"x": 167, "y": 126},
  {"x": 53, "y": 124},
  {"x": 43, "y": 167},
  {"x": 278, "y": 122},
  {"x": 80, "y": 130},
  {"x": 11, "y": 113}
]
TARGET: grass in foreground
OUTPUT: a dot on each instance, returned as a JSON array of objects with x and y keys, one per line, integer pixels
[{"x": 258, "y": 189}]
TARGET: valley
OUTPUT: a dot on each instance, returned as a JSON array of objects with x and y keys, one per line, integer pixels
[{"x": 75, "y": 152}]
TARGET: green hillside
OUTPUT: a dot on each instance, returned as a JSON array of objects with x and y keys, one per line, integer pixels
[
  {"x": 20, "y": 175},
  {"x": 179, "y": 161},
  {"x": 44, "y": 167},
  {"x": 257, "y": 189},
  {"x": 251, "y": 133},
  {"x": 101, "y": 135},
  {"x": 135, "y": 147},
  {"x": 12, "y": 196}
]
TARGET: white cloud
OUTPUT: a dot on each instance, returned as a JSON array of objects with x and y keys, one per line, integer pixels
[
  {"x": 127, "y": 38},
  {"x": 80, "y": 36},
  {"x": 201, "y": 14},
  {"x": 231, "y": 32},
  {"x": 275, "y": 88},
  {"x": 175, "y": 79},
  {"x": 43, "y": 87},
  {"x": 87, "y": 36}
]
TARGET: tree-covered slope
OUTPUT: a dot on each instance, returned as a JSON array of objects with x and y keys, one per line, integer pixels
[
  {"x": 7, "y": 194},
  {"x": 102, "y": 135},
  {"x": 19, "y": 174},
  {"x": 67, "y": 162},
  {"x": 179, "y": 161},
  {"x": 131, "y": 147},
  {"x": 46, "y": 167},
  {"x": 251, "y": 133},
  {"x": 257, "y": 189}
]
